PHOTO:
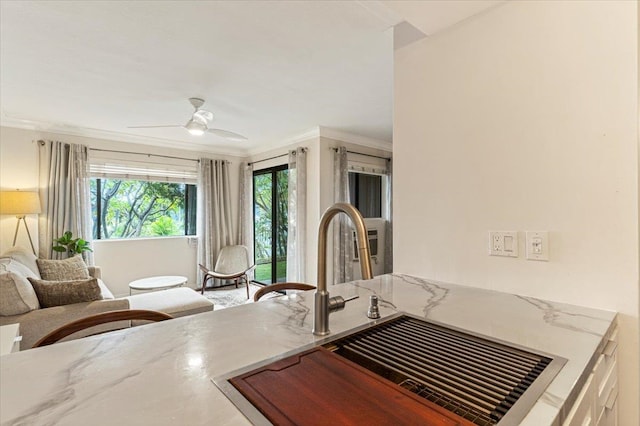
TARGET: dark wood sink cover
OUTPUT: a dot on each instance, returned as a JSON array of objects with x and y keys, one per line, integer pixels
[{"x": 317, "y": 387}]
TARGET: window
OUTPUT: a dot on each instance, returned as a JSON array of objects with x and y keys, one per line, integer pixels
[
  {"x": 365, "y": 193},
  {"x": 138, "y": 195},
  {"x": 270, "y": 208},
  {"x": 141, "y": 208}
]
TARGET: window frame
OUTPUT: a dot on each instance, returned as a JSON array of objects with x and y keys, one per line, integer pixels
[{"x": 190, "y": 192}]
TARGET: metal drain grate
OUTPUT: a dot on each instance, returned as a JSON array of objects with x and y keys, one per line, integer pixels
[
  {"x": 448, "y": 403},
  {"x": 478, "y": 379}
]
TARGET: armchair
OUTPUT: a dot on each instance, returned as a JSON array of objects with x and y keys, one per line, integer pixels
[{"x": 232, "y": 264}]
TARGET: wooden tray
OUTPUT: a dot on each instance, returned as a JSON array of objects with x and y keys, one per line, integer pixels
[{"x": 318, "y": 387}]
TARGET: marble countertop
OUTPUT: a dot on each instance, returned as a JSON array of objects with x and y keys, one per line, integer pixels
[{"x": 162, "y": 373}]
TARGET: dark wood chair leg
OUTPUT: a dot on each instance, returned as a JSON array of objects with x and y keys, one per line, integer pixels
[
  {"x": 204, "y": 282},
  {"x": 246, "y": 280}
]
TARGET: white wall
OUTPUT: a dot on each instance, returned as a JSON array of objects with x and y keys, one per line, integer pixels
[
  {"x": 18, "y": 170},
  {"x": 526, "y": 118},
  {"x": 121, "y": 260}
]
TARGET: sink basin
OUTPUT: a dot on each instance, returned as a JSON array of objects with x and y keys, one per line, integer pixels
[{"x": 480, "y": 380}]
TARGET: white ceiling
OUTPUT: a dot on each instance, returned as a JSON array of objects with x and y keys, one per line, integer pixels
[{"x": 269, "y": 70}]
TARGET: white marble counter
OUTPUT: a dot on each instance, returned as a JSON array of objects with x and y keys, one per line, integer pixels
[{"x": 162, "y": 373}]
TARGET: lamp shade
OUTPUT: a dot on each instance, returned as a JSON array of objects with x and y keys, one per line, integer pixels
[{"x": 19, "y": 202}]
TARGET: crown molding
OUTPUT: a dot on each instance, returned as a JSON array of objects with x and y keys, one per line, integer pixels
[
  {"x": 300, "y": 137},
  {"x": 63, "y": 129},
  {"x": 327, "y": 132}
]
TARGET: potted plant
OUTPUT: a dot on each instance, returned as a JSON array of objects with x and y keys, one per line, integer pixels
[{"x": 71, "y": 246}]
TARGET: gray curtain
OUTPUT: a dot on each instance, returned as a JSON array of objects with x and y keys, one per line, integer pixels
[
  {"x": 342, "y": 229},
  {"x": 388, "y": 240},
  {"x": 214, "y": 210},
  {"x": 245, "y": 212},
  {"x": 65, "y": 195},
  {"x": 297, "y": 216}
]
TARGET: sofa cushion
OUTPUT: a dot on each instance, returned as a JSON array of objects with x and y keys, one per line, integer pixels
[
  {"x": 72, "y": 268},
  {"x": 58, "y": 293},
  {"x": 16, "y": 294},
  {"x": 177, "y": 302},
  {"x": 104, "y": 290},
  {"x": 24, "y": 257},
  {"x": 36, "y": 324}
]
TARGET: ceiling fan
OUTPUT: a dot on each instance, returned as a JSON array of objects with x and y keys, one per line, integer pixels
[{"x": 199, "y": 122}]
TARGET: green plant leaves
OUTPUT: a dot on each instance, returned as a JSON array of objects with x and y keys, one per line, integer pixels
[{"x": 72, "y": 246}]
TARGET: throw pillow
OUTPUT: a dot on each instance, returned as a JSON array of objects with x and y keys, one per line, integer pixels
[
  {"x": 72, "y": 268},
  {"x": 8, "y": 264},
  {"x": 16, "y": 294},
  {"x": 58, "y": 293},
  {"x": 24, "y": 257}
]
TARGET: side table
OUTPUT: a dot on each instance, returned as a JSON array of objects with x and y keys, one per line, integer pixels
[{"x": 162, "y": 282}]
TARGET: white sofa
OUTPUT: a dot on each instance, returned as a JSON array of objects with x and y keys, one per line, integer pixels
[{"x": 37, "y": 322}]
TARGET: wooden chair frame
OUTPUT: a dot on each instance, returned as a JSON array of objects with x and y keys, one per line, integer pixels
[
  {"x": 238, "y": 277},
  {"x": 98, "y": 319},
  {"x": 280, "y": 287}
]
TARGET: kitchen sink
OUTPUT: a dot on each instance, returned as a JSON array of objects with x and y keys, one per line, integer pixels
[{"x": 480, "y": 379}]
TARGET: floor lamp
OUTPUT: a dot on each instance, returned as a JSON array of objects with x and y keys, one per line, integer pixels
[{"x": 20, "y": 203}]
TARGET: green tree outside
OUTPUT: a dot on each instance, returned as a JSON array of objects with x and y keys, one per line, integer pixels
[{"x": 132, "y": 208}]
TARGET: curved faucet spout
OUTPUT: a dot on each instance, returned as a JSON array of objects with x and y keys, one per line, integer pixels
[{"x": 323, "y": 305}]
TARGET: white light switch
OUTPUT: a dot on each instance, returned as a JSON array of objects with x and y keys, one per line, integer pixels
[
  {"x": 508, "y": 243},
  {"x": 503, "y": 243},
  {"x": 537, "y": 245}
]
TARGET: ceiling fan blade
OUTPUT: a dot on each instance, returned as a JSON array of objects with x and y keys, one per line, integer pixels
[
  {"x": 228, "y": 135},
  {"x": 203, "y": 115},
  {"x": 153, "y": 127}
]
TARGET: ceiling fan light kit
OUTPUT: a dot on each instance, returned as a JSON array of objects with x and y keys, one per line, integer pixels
[
  {"x": 199, "y": 122},
  {"x": 195, "y": 127}
]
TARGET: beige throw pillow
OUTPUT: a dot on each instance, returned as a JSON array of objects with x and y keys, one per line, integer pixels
[
  {"x": 16, "y": 294},
  {"x": 72, "y": 268},
  {"x": 25, "y": 257},
  {"x": 58, "y": 293}
]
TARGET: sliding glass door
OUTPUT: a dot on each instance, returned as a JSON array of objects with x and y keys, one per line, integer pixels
[{"x": 270, "y": 207}]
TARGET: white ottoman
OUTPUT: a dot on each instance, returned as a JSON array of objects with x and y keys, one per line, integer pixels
[{"x": 177, "y": 302}]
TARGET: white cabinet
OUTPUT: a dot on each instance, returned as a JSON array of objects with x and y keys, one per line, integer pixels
[
  {"x": 596, "y": 404},
  {"x": 583, "y": 411}
]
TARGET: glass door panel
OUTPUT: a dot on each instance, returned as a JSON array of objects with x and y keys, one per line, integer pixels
[{"x": 270, "y": 209}]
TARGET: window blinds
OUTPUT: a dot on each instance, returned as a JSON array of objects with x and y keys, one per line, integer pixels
[
  {"x": 147, "y": 167},
  {"x": 365, "y": 164}
]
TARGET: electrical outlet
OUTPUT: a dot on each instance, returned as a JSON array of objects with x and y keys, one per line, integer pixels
[
  {"x": 537, "y": 245},
  {"x": 503, "y": 243}
]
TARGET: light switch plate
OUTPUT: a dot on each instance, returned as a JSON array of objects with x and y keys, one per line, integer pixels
[
  {"x": 503, "y": 243},
  {"x": 537, "y": 245}
]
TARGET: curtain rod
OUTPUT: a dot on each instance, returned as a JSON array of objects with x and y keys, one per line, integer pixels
[
  {"x": 272, "y": 158},
  {"x": 141, "y": 153},
  {"x": 366, "y": 155},
  {"x": 41, "y": 142}
]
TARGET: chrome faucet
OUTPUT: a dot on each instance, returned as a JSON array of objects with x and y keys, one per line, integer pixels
[{"x": 323, "y": 303}]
